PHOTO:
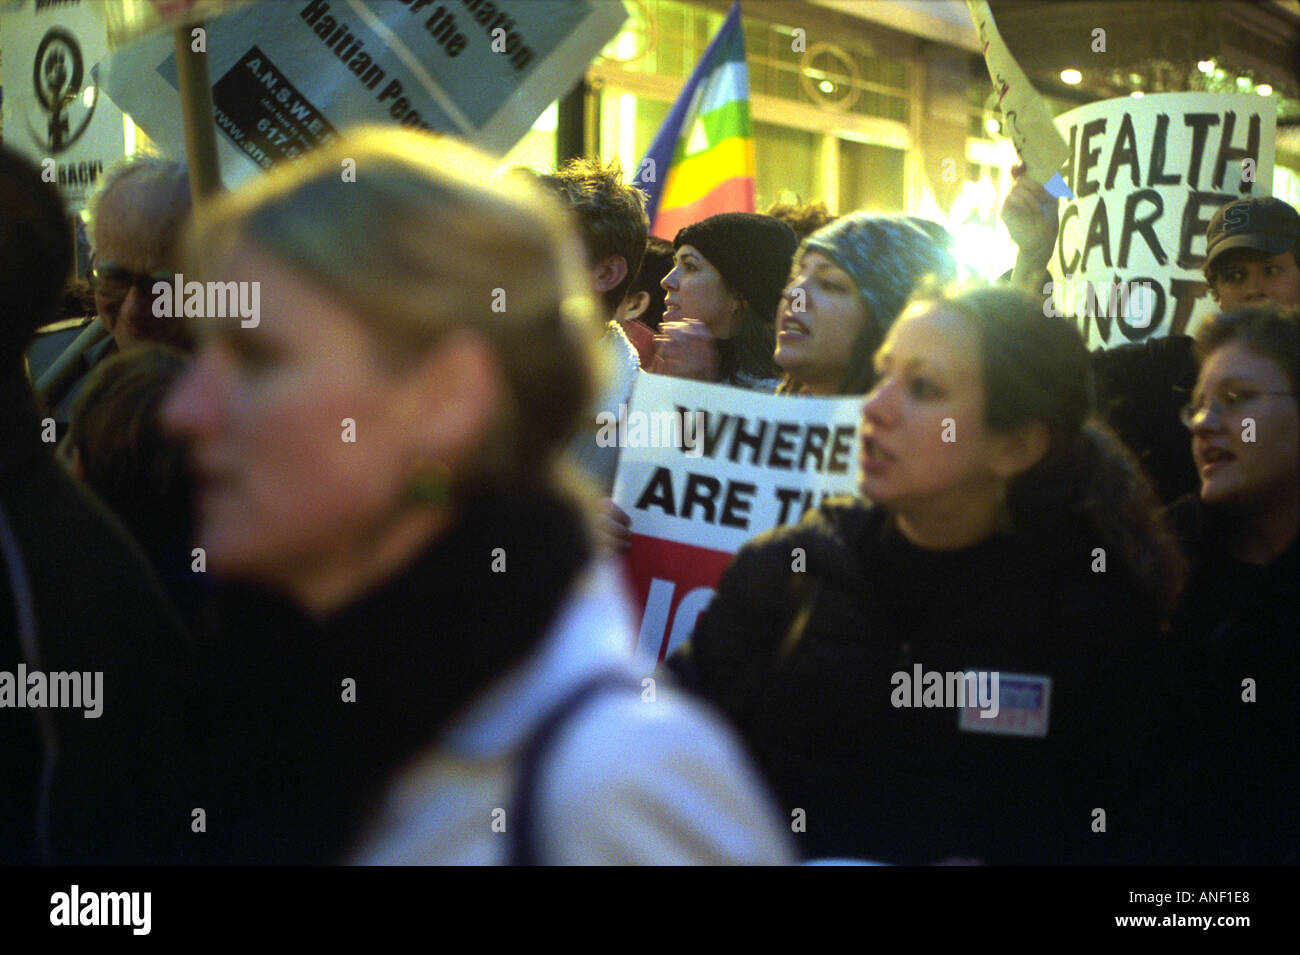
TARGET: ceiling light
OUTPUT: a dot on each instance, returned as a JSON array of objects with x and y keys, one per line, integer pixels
[
  {"x": 1071, "y": 76},
  {"x": 1263, "y": 89},
  {"x": 1206, "y": 66}
]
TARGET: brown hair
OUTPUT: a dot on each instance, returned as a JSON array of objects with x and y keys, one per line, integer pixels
[
  {"x": 136, "y": 469},
  {"x": 1037, "y": 369},
  {"x": 1270, "y": 330},
  {"x": 805, "y": 218},
  {"x": 610, "y": 215}
]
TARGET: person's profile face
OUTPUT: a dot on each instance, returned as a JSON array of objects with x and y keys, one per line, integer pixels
[
  {"x": 820, "y": 318},
  {"x": 695, "y": 289},
  {"x": 923, "y": 441},
  {"x": 298, "y": 434},
  {"x": 1245, "y": 436},
  {"x": 1252, "y": 277},
  {"x": 129, "y": 260}
]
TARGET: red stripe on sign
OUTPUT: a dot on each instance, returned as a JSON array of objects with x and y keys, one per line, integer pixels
[{"x": 670, "y": 584}]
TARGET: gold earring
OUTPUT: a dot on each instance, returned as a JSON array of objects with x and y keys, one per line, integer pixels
[{"x": 431, "y": 485}]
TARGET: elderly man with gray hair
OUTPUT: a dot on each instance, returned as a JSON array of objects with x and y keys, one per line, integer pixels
[{"x": 136, "y": 217}]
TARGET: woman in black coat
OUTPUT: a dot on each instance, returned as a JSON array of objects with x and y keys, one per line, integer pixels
[
  {"x": 1235, "y": 668},
  {"x": 1008, "y": 536}
]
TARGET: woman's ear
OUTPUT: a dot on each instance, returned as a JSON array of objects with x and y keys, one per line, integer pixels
[
  {"x": 1021, "y": 450},
  {"x": 456, "y": 394}
]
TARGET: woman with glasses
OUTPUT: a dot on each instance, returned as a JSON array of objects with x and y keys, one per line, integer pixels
[{"x": 1235, "y": 669}]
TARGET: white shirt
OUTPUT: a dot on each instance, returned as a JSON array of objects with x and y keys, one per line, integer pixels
[{"x": 650, "y": 778}]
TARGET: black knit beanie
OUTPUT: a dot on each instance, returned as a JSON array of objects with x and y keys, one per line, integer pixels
[{"x": 751, "y": 251}]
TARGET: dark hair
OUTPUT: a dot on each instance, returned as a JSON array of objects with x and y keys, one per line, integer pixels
[
  {"x": 1271, "y": 330},
  {"x": 35, "y": 254},
  {"x": 610, "y": 214},
  {"x": 1214, "y": 271},
  {"x": 749, "y": 352},
  {"x": 657, "y": 263},
  {"x": 805, "y": 218},
  {"x": 1037, "y": 369},
  {"x": 127, "y": 460}
]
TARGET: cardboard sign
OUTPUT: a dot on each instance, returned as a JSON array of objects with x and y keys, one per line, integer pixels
[
  {"x": 1026, "y": 119},
  {"x": 1147, "y": 175},
  {"x": 291, "y": 74},
  {"x": 53, "y": 108},
  {"x": 734, "y": 464}
]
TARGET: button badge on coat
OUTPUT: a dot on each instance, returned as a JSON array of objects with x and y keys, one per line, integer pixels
[{"x": 1023, "y": 704}]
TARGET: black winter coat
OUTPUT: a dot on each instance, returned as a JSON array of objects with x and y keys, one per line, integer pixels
[
  {"x": 1233, "y": 795},
  {"x": 113, "y": 796},
  {"x": 804, "y": 663}
]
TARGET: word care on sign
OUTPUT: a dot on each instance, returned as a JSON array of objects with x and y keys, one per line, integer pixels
[
  {"x": 289, "y": 75},
  {"x": 1147, "y": 175},
  {"x": 745, "y": 463}
]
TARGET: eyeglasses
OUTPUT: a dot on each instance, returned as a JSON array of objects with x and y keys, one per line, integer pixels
[
  {"x": 115, "y": 283},
  {"x": 1224, "y": 404}
]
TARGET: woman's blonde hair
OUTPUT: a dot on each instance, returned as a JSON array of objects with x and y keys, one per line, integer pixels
[{"x": 419, "y": 236}]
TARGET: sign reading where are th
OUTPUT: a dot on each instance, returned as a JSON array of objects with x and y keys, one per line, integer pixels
[{"x": 747, "y": 463}]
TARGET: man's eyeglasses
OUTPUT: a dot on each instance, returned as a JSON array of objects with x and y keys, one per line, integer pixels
[
  {"x": 1225, "y": 404},
  {"x": 114, "y": 282}
]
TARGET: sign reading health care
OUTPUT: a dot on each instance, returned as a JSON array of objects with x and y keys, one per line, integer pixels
[
  {"x": 1147, "y": 175},
  {"x": 745, "y": 463},
  {"x": 289, "y": 75}
]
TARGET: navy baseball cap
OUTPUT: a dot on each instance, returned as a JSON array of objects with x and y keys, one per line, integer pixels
[{"x": 1264, "y": 223}]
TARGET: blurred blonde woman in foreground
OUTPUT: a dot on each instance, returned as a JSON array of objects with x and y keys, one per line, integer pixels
[{"x": 419, "y": 660}]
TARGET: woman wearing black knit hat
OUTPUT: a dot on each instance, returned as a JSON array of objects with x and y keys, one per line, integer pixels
[{"x": 725, "y": 285}]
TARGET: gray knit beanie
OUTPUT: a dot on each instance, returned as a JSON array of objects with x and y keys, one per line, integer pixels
[{"x": 886, "y": 256}]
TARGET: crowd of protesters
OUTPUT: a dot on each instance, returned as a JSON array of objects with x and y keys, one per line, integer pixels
[{"x": 347, "y": 573}]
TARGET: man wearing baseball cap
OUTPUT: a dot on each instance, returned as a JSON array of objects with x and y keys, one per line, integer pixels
[{"x": 1252, "y": 251}]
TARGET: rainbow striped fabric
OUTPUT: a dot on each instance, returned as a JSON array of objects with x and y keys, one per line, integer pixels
[{"x": 702, "y": 160}]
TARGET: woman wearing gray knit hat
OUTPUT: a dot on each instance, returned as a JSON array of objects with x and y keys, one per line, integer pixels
[
  {"x": 851, "y": 280},
  {"x": 725, "y": 284}
]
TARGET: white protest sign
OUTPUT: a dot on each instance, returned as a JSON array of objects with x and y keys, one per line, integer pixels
[
  {"x": 53, "y": 112},
  {"x": 1148, "y": 174},
  {"x": 289, "y": 75},
  {"x": 1026, "y": 118},
  {"x": 745, "y": 463}
]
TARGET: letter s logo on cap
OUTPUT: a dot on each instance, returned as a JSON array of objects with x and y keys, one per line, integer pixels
[{"x": 1236, "y": 218}]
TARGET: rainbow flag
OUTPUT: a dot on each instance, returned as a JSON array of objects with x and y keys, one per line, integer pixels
[{"x": 702, "y": 160}]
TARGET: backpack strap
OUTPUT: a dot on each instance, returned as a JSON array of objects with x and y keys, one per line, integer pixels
[{"x": 523, "y": 826}]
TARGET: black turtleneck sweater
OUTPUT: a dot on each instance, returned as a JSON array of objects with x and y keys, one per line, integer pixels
[
  {"x": 804, "y": 663},
  {"x": 289, "y": 768}
]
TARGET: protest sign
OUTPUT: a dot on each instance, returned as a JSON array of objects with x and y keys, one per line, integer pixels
[
  {"x": 289, "y": 75},
  {"x": 743, "y": 463},
  {"x": 1026, "y": 118},
  {"x": 1147, "y": 175},
  {"x": 53, "y": 112}
]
